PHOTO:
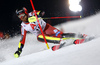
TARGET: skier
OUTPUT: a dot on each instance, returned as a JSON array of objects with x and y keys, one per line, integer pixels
[{"x": 29, "y": 23}]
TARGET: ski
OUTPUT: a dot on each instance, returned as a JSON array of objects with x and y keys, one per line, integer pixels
[
  {"x": 56, "y": 47},
  {"x": 72, "y": 41},
  {"x": 77, "y": 41}
]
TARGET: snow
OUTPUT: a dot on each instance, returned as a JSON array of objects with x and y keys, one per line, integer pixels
[{"x": 36, "y": 53}]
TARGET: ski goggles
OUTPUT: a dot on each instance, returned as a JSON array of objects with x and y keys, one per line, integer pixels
[{"x": 21, "y": 15}]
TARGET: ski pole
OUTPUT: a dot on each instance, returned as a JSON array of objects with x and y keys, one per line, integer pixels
[
  {"x": 39, "y": 24},
  {"x": 62, "y": 17}
]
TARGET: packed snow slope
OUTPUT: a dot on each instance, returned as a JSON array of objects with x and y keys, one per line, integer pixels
[{"x": 36, "y": 53}]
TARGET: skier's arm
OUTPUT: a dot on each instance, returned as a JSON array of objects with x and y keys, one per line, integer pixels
[
  {"x": 23, "y": 37},
  {"x": 32, "y": 17},
  {"x": 21, "y": 43},
  {"x": 39, "y": 13}
]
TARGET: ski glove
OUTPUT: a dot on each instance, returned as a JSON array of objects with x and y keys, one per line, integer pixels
[{"x": 17, "y": 53}]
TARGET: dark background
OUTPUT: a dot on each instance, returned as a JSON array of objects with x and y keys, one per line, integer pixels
[{"x": 9, "y": 23}]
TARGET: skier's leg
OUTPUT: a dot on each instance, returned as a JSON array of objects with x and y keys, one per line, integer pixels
[
  {"x": 72, "y": 35},
  {"x": 49, "y": 39},
  {"x": 76, "y": 38},
  {"x": 52, "y": 34},
  {"x": 52, "y": 31}
]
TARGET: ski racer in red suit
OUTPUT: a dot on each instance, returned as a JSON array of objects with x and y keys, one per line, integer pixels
[{"x": 29, "y": 23}]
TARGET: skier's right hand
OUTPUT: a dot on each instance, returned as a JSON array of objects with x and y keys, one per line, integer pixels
[{"x": 17, "y": 53}]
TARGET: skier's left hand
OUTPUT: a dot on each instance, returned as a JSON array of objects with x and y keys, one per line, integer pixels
[{"x": 17, "y": 53}]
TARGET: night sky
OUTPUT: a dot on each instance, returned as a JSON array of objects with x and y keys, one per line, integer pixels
[{"x": 53, "y": 8}]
